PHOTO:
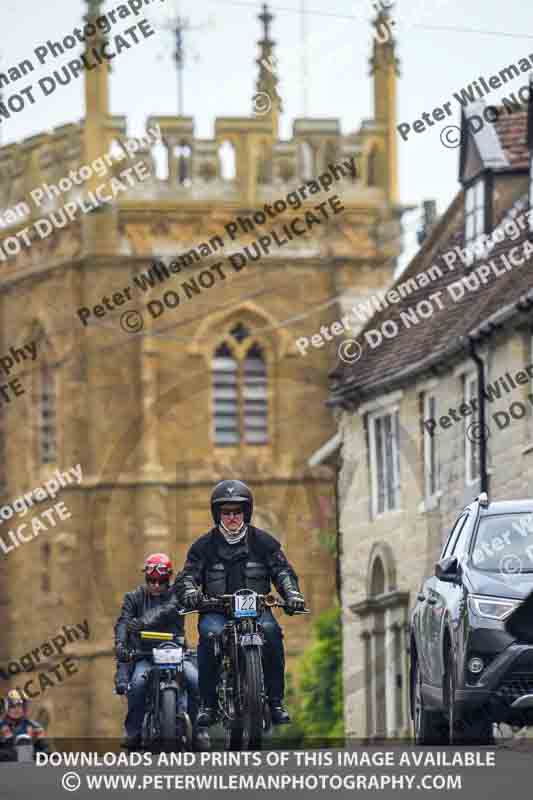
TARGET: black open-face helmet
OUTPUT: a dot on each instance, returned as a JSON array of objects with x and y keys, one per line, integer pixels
[{"x": 232, "y": 492}]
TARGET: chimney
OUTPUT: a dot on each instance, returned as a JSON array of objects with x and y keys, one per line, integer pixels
[{"x": 429, "y": 215}]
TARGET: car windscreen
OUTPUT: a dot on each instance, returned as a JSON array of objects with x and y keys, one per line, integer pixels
[{"x": 504, "y": 543}]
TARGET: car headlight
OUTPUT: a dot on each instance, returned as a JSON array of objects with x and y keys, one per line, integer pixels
[{"x": 492, "y": 607}]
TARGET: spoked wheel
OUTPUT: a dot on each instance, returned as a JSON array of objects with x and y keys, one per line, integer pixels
[
  {"x": 252, "y": 700},
  {"x": 167, "y": 715},
  {"x": 430, "y": 726},
  {"x": 245, "y": 730},
  {"x": 233, "y": 729}
]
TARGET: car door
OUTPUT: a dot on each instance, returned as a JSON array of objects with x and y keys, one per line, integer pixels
[
  {"x": 423, "y": 620},
  {"x": 439, "y": 596},
  {"x": 457, "y": 595}
]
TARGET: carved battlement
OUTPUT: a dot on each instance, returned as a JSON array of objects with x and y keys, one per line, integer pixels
[{"x": 242, "y": 163}]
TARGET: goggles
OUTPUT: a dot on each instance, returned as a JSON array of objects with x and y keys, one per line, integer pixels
[{"x": 158, "y": 569}]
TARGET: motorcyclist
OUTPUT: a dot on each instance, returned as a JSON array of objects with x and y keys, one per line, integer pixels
[
  {"x": 138, "y": 613},
  {"x": 236, "y": 555},
  {"x": 16, "y": 722}
]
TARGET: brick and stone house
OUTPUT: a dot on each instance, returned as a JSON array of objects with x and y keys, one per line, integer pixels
[{"x": 408, "y": 411}]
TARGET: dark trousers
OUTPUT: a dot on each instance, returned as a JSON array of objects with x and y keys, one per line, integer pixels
[
  {"x": 137, "y": 693},
  {"x": 273, "y": 656}
]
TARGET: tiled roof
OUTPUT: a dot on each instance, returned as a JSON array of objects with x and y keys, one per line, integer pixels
[
  {"x": 441, "y": 332},
  {"x": 413, "y": 347},
  {"x": 512, "y": 132}
]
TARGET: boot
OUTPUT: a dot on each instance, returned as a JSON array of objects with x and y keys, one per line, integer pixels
[
  {"x": 207, "y": 716},
  {"x": 280, "y": 715},
  {"x": 201, "y": 743}
]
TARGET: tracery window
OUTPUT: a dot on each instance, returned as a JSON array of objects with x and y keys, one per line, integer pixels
[{"x": 240, "y": 391}]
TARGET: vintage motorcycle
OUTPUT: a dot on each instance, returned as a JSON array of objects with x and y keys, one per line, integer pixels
[
  {"x": 243, "y": 704},
  {"x": 166, "y": 724}
]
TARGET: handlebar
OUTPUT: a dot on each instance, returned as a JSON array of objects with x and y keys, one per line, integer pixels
[{"x": 214, "y": 603}]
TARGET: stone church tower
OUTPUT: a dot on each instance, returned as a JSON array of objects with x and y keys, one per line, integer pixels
[{"x": 214, "y": 387}]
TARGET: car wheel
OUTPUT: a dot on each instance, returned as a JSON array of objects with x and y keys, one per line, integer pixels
[{"x": 430, "y": 726}]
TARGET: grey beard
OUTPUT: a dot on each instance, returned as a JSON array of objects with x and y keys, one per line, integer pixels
[{"x": 229, "y": 536}]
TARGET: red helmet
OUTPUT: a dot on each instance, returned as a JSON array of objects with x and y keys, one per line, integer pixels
[{"x": 158, "y": 567}]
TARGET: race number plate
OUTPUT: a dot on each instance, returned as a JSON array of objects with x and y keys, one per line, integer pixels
[
  {"x": 168, "y": 655},
  {"x": 246, "y": 605}
]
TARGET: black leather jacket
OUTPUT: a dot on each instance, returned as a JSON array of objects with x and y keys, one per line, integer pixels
[
  {"x": 141, "y": 605},
  {"x": 216, "y": 567}
]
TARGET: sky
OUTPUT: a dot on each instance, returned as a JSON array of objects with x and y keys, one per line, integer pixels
[{"x": 443, "y": 45}]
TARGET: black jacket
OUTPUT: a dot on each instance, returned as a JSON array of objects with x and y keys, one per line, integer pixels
[
  {"x": 216, "y": 567},
  {"x": 141, "y": 605}
]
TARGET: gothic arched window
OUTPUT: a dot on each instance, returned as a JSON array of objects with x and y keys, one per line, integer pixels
[
  {"x": 240, "y": 391},
  {"x": 225, "y": 397},
  {"x": 254, "y": 396},
  {"x": 47, "y": 416}
]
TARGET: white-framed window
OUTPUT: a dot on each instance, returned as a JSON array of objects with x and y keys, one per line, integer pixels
[
  {"x": 474, "y": 212},
  {"x": 428, "y": 410},
  {"x": 384, "y": 460},
  {"x": 472, "y": 467}
]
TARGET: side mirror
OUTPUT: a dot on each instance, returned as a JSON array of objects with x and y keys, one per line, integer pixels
[{"x": 448, "y": 570}]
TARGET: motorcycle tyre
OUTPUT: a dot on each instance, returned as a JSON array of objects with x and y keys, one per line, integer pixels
[{"x": 168, "y": 720}]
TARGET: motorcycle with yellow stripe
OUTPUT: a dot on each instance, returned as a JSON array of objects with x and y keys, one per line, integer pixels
[{"x": 166, "y": 725}]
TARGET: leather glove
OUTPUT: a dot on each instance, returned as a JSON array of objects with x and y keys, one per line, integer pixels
[
  {"x": 191, "y": 598},
  {"x": 294, "y": 602},
  {"x": 121, "y": 687},
  {"x": 135, "y": 625},
  {"x": 122, "y": 652}
]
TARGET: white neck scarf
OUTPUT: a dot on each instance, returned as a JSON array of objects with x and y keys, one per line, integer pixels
[{"x": 230, "y": 536}]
